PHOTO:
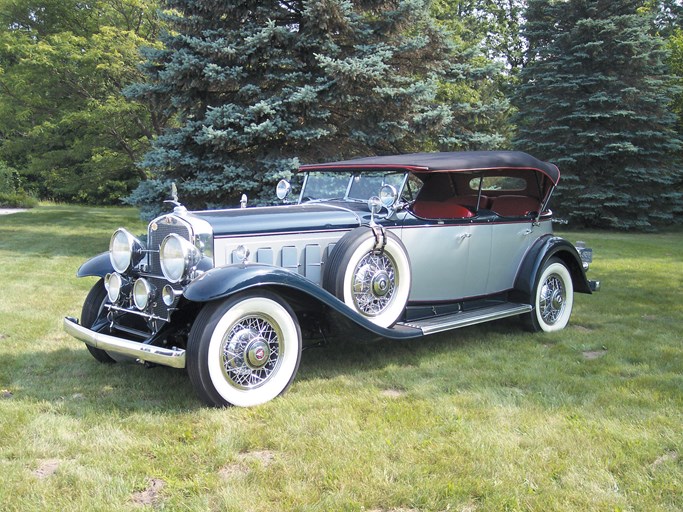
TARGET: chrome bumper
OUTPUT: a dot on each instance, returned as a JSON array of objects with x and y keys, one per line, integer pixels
[{"x": 174, "y": 357}]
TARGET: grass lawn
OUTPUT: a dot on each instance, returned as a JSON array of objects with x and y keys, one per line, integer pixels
[{"x": 487, "y": 418}]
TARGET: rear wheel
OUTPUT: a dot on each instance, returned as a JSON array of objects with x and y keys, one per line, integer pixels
[
  {"x": 244, "y": 351},
  {"x": 553, "y": 298},
  {"x": 92, "y": 308}
]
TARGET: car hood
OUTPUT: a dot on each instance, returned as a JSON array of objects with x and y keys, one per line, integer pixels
[{"x": 284, "y": 219}]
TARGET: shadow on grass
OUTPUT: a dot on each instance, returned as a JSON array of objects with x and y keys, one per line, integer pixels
[
  {"x": 356, "y": 351},
  {"x": 73, "y": 377}
]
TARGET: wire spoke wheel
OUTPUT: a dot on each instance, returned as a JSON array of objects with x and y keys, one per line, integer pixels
[
  {"x": 245, "y": 350},
  {"x": 251, "y": 351},
  {"x": 553, "y": 298},
  {"x": 374, "y": 283}
]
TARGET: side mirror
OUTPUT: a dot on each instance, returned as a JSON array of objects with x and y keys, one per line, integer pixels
[
  {"x": 283, "y": 189},
  {"x": 375, "y": 207},
  {"x": 388, "y": 196}
]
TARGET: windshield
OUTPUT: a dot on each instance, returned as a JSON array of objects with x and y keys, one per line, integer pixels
[{"x": 348, "y": 185}]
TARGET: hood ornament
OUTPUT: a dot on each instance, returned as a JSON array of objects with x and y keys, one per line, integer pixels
[{"x": 178, "y": 208}]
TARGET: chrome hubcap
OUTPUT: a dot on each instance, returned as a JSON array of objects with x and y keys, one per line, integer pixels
[
  {"x": 257, "y": 353},
  {"x": 250, "y": 352},
  {"x": 552, "y": 299},
  {"x": 374, "y": 283},
  {"x": 381, "y": 283}
]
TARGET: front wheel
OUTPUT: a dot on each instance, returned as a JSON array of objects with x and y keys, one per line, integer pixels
[
  {"x": 553, "y": 299},
  {"x": 92, "y": 309},
  {"x": 244, "y": 351}
]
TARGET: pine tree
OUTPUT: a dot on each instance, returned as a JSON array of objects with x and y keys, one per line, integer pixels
[
  {"x": 259, "y": 86},
  {"x": 594, "y": 99}
]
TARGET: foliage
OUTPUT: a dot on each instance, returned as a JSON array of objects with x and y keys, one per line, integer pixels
[
  {"x": 675, "y": 44},
  {"x": 486, "y": 418},
  {"x": 594, "y": 99},
  {"x": 12, "y": 193},
  {"x": 63, "y": 121},
  {"x": 494, "y": 25},
  {"x": 261, "y": 86}
]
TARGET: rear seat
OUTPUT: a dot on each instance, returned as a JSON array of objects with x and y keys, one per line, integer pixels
[
  {"x": 441, "y": 210},
  {"x": 514, "y": 206},
  {"x": 471, "y": 201}
]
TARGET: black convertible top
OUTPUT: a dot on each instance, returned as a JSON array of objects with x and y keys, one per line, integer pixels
[{"x": 444, "y": 162}]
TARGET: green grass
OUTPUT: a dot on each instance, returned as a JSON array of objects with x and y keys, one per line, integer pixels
[{"x": 487, "y": 418}]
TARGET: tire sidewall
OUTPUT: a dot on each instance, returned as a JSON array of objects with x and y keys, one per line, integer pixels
[
  {"x": 92, "y": 308},
  {"x": 217, "y": 389},
  {"x": 556, "y": 267},
  {"x": 354, "y": 254}
]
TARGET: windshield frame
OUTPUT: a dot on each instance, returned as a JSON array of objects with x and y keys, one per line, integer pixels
[{"x": 401, "y": 177}]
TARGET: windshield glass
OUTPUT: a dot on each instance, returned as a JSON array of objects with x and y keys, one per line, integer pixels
[{"x": 348, "y": 185}]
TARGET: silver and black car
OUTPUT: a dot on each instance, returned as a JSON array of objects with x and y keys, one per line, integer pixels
[{"x": 401, "y": 246}]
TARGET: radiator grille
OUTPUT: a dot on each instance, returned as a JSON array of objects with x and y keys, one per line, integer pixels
[
  {"x": 164, "y": 227},
  {"x": 156, "y": 236}
]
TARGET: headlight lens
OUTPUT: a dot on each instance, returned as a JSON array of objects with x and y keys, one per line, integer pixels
[
  {"x": 113, "y": 284},
  {"x": 142, "y": 292},
  {"x": 168, "y": 295},
  {"x": 177, "y": 257},
  {"x": 124, "y": 250}
]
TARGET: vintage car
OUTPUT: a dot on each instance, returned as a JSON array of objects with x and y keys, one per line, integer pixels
[{"x": 401, "y": 246}]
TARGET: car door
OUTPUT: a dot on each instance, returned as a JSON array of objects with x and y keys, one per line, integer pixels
[{"x": 448, "y": 259}]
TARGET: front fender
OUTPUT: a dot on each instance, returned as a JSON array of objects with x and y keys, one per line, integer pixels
[
  {"x": 222, "y": 282},
  {"x": 97, "y": 266},
  {"x": 544, "y": 248}
]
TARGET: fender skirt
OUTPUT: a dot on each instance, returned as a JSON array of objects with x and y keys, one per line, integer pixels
[
  {"x": 221, "y": 282},
  {"x": 543, "y": 249}
]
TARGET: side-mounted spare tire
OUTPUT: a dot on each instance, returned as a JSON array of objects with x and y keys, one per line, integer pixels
[{"x": 369, "y": 270}]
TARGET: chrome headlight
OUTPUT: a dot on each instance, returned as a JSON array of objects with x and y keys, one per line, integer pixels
[
  {"x": 113, "y": 285},
  {"x": 177, "y": 257},
  {"x": 124, "y": 250},
  {"x": 142, "y": 293}
]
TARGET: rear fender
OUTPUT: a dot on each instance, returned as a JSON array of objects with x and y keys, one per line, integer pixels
[{"x": 543, "y": 249}]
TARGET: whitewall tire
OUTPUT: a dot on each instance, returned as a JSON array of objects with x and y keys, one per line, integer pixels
[
  {"x": 245, "y": 350},
  {"x": 553, "y": 298},
  {"x": 375, "y": 283}
]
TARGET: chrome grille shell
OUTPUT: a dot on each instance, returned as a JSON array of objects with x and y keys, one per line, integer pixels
[{"x": 159, "y": 229}]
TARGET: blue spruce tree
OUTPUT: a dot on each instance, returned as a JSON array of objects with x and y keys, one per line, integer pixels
[
  {"x": 258, "y": 85},
  {"x": 594, "y": 98}
]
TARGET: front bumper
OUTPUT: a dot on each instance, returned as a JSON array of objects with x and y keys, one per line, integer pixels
[{"x": 174, "y": 357}]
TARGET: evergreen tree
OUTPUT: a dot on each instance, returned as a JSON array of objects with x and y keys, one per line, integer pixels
[
  {"x": 594, "y": 99},
  {"x": 64, "y": 125},
  {"x": 259, "y": 85}
]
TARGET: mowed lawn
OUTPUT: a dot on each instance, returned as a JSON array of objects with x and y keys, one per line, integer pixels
[{"x": 487, "y": 418}]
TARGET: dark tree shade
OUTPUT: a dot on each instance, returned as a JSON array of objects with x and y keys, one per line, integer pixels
[
  {"x": 258, "y": 85},
  {"x": 594, "y": 100}
]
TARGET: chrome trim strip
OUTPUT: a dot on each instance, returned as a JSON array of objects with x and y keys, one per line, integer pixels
[
  {"x": 174, "y": 357},
  {"x": 280, "y": 233}
]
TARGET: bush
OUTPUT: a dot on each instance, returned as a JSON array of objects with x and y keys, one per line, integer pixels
[
  {"x": 17, "y": 200},
  {"x": 12, "y": 195}
]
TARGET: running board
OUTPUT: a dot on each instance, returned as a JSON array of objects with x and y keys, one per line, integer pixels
[{"x": 467, "y": 318}]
